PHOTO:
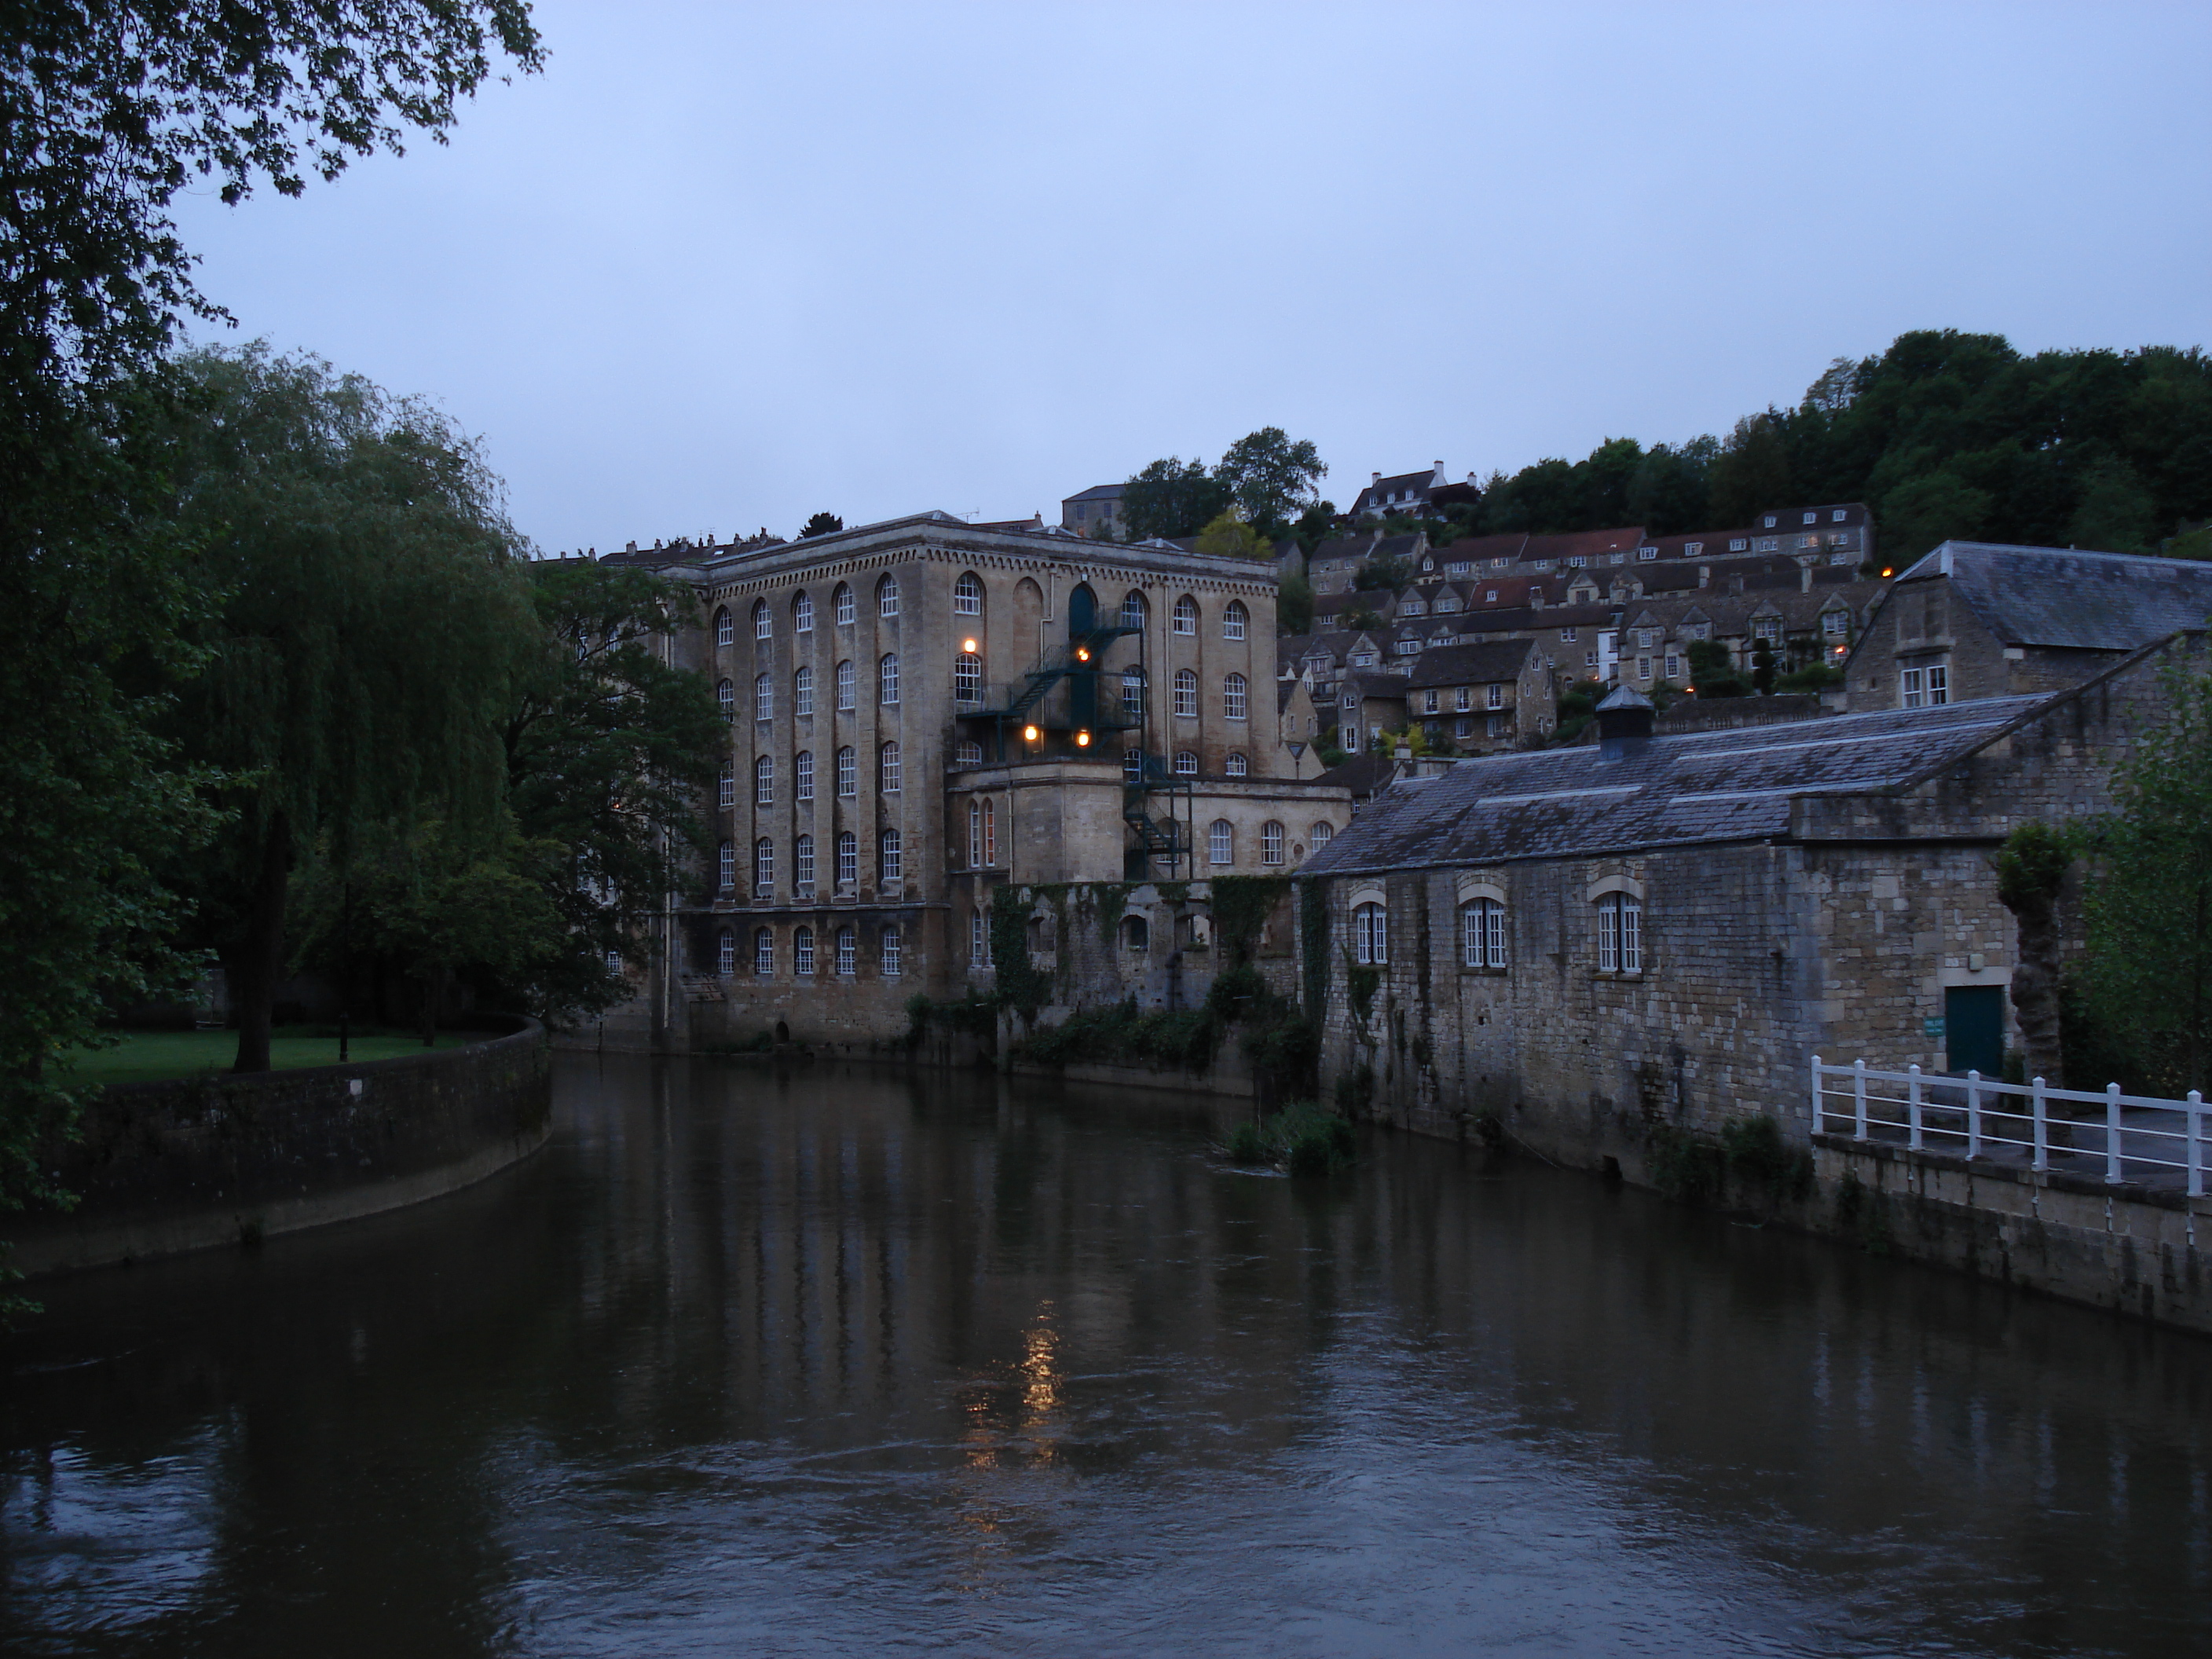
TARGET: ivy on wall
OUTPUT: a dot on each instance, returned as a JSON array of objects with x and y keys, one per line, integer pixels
[
  {"x": 1313, "y": 941},
  {"x": 1242, "y": 905}
]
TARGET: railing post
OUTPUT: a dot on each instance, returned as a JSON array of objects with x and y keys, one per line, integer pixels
[
  {"x": 2112, "y": 1133},
  {"x": 1820, "y": 1120},
  {"x": 2195, "y": 1144},
  {"x": 1858, "y": 1097},
  {"x": 2042, "y": 1130},
  {"x": 1913, "y": 1104},
  {"x": 1973, "y": 1115}
]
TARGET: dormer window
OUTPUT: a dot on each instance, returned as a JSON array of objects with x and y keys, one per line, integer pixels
[
  {"x": 1490, "y": 596},
  {"x": 1837, "y": 516},
  {"x": 1691, "y": 549},
  {"x": 1647, "y": 552},
  {"x": 1739, "y": 544},
  {"x": 1769, "y": 522},
  {"x": 1576, "y": 562},
  {"x": 1811, "y": 517}
]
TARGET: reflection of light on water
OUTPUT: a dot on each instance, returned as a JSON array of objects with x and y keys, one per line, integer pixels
[{"x": 1043, "y": 1394}]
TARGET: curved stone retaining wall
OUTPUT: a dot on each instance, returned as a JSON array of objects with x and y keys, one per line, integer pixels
[{"x": 161, "y": 1168}]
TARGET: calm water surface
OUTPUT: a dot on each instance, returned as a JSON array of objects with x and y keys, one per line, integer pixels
[{"x": 850, "y": 1361}]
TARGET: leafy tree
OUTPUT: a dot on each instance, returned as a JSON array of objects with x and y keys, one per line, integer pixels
[
  {"x": 1387, "y": 572},
  {"x": 1172, "y": 498},
  {"x": 2191, "y": 545},
  {"x": 822, "y": 524},
  {"x": 373, "y": 618},
  {"x": 1711, "y": 673},
  {"x": 1316, "y": 525},
  {"x": 1294, "y": 605},
  {"x": 1752, "y": 471},
  {"x": 1270, "y": 477},
  {"x": 2032, "y": 868},
  {"x": 1762, "y": 669},
  {"x": 1930, "y": 510},
  {"x": 2147, "y": 981},
  {"x": 2115, "y": 513},
  {"x": 1228, "y": 537}
]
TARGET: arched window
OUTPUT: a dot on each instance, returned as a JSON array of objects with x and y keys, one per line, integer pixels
[
  {"x": 1132, "y": 765},
  {"x": 802, "y": 690},
  {"x": 802, "y": 863},
  {"x": 1235, "y": 620},
  {"x": 1482, "y": 934},
  {"x": 1186, "y": 694},
  {"x": 1185, "y": 763},
  {"x": 802, "y": 950},
  {"x": 848, "y": 779},
  {"x": 763, "y": 697},
  {"x": 1234, "y": 764},
  {"x": 967, "y": 752},
  {"x": 847, "y": 952},
  {"x": 802, "y": 613},
  {"x": 764, "y": 621},
  {"x": 974, "y": 833},
  {"x": 887, "y": 769},
  {"x": 1271, "y": 842},
  {"x": 726, "y": 954},
  {"x": 764, "y": 781},
  {"x": 893, "y": 948},
  {"x": 802, "y": 776},
  {"x": 1221, "y": 842},
  {"x": 727, "y": 866},
  {"x": 845, "y": 685},
  {"x": 887, "y": 597},
  {"x": 764, "y": 864},
  {"x": 1186, "y": 615},
  {"x": 763, "y": 952},
  {"x": 1619, "y": 934},
  {"x": 1133, "y": 691},
  {"x": 887, "y": 678},
  {"x": 891, "y": 856},
  {"x": 725, "y": 693},
  {"x": 726, "y": 627},
  {"x": 1134, "y": 609},
  {"x": 979, "y": 940},
  {"x": 1320, "y": 834},
  {"x": 842, "y": 600},
  {"x": 848, "y": 858},
  {"x": 1370, "y": 935},
  {"x": 968, "y": 678},
  {"x": 726, "y": 788},
  {"x": 1234, "y": 696},
  {"x": 1136, "y": 934},
  {"x": 967, "y": 596}
]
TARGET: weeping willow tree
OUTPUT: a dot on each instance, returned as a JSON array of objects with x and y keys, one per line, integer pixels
[{"x": 373, "y": 617}]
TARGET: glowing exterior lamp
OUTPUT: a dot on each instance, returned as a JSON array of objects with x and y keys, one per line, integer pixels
[
  {"x": 1886, "y": 571},
  {"x": 1028, "y": 734},
  {"x": 1083, "y": 740},
  {"x": 1083, "y": 654},
  {"x": 968, "y": 646}
]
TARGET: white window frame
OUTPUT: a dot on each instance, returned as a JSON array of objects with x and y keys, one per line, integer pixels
[
  {"x": 764, "y": 621},
  {"x": 1482, "y": 933},
  {"x": 1235, "y": 697},
  {"x": 967, "y": 595},
  {"x": 1186, "y": 615},
  {"x": 848, "y": 951},
  {"x": 1371, "y": 934},
  {"x": 847, "y": 605},
  {"x": 802, "y": 691},
  {"x": 848, "y": 772},
  {"x": 802, "y": 613},
  {"x": 802, "y": 952},
  {"x": 763, "y": 953},
  {"x": 802, "y": 776},
  {"x": 889, "y": 767},
  {"x": 1235, "y": 620},
  {"x": 887, "y": 679},
  {"x": 1185, "y": 693},
  {"x": 1220, "y": 843},
  {"x": 1271, "y": 842},
  {"x": 887, "y": 597}
]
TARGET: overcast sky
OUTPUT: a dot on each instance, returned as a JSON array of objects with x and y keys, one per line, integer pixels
[{"x": 721, "y": 266}]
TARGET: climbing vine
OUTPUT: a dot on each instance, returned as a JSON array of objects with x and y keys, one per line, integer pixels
[
  {"x": 1242, "y": 905},
  {"x": 1020, "y": 985},
  {"x": 1313, "y": 941}
]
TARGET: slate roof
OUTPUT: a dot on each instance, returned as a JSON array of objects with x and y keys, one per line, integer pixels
[
  {"x": 1099, "y": 493},
  {"x": 1675, "y": 790},
  {"x": 1471, "y": 664},
  {"x": 1586, "y": 543},
  {"x": 1363, "y": 774},
  {"x": 2059, "y": 596}
]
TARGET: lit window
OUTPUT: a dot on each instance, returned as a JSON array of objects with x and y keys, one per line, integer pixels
[
  {"x": 890, "y": 855},
  {"x": 727, "y": 787},
  {"x": 802, "y": 775},
  {"x": 967, "y": 596},
  {"x": 764, "y": 781},
  {"x": 763, "y": 952},
  {"x": 1186, "y": 615},
  {"x": 887, "y": 678},
  {"x": 764, "y": 697},
  {"x": 764, "y": 864},
  {"x": 887, "y": 769},
  {"x": 968, "y": 678},
  {"x": 848, "y": 858},
  {"x": 1271, "y": 842},
  {"x": 1482, "y": 934},
  {"x": 802, "y": 863},
  {"x": 1235, "y": 765},
  {"x": 802, "y": 621},
  {"x": 887, "y": 597},
  {"x": 1234, "y": 699},
  {"x": 726, "y": 954},
  {"x": 1185, "y": 763},
  {"x": 1221, "y": 842},
  {"x": 1370, "y": 935},
  {"x": 847, "y": 772},
  {"x": 1186, "y": 694},
  {"x": 729, "y": 866},
  {"x": 891, "y": 943},
  {"x": 1235, "y": 620},
  {"x": 802, "y": 691},
  {"x": 726, "y": 628},
  {"x": 763, "y": 620},
  {"x": 848, "y": 953},
  {"x": 845, "y": 685},
  {"x": 1619, "y": 934},
  {"x": 1320, "y": 834},
  {"x": 725, "y": 694},
  {"x": 802, "y": 950},
  {"x": 847, "y": 609}
]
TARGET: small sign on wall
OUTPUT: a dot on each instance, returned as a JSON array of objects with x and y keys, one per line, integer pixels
[{"x": 1932, "y": 1026}]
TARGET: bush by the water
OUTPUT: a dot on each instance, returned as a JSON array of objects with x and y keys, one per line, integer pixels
[
  {"x": 1302, "y": 1137},
  {"x": 1120, "y": 1035}
]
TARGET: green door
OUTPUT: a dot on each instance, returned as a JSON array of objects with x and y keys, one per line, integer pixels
[{"x": 1974, "y": 1028}]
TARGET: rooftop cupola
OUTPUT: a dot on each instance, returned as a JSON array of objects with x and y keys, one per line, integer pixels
[{"x": 1624, "y": 725}]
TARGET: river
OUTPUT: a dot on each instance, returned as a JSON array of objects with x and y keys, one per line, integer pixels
[{"x": 847, "y": 1360}]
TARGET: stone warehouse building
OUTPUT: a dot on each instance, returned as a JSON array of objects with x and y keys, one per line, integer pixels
[
  {"x": 923, "y": 710},
  {"x": 1594, "y": 942}
]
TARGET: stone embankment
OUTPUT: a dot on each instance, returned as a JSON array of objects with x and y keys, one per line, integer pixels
[{"x": 163, "y": 1168}]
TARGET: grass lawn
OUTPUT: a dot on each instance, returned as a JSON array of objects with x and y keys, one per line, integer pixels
[{"x": 148, "y": 1056}]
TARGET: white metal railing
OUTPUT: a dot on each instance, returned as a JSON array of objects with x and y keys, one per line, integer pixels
[{"x": 1980, "y": 1118}]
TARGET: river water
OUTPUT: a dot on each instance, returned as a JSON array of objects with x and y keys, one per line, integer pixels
[{"x": 841, "y": 1360}]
